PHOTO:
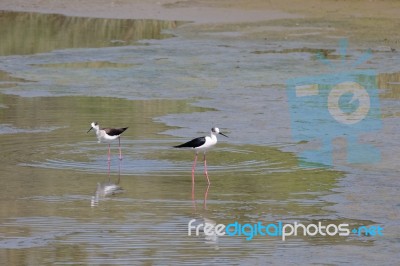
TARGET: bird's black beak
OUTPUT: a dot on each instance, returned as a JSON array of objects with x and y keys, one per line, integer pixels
[
  {"x": 89, "y": 130},
  {"x": 223, "y": 134}
]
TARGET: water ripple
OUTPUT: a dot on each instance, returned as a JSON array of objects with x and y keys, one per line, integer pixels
[
  {"x": 139, "y": 159},
  {"x": 9, "y": 129}
]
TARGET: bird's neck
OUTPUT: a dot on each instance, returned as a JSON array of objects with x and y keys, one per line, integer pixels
[{"x": 98, "y": 133}]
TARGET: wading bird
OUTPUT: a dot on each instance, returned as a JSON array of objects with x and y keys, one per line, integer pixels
[
  {"x": 202, "y": 144},
  {"x": 108, "y": 135}
]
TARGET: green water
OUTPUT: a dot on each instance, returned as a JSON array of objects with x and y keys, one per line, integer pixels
[
  {"x": 50, "y": 168},
  {"x": 29, "y": 33},
  {"x": 167, "y": 92}
]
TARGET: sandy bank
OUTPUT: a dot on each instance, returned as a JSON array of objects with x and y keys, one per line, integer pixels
[
  {"x": 369, "y": 23},
  {"x": 209, "y": 11},
  {"x": 197, "y": 11}
]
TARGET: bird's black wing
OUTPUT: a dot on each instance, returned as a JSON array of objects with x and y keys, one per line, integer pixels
[
  {"x": 197, "y": 142},
  {"x": 114, "y": 131}
]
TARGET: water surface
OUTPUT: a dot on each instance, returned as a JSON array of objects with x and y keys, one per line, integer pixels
[{"x": 168, "y": 91}]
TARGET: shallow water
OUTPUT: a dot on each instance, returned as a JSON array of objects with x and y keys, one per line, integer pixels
[{"x": 168, "y": 91}]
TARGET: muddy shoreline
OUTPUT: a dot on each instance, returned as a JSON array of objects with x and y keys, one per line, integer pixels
[{"x": 371, "y": 24}]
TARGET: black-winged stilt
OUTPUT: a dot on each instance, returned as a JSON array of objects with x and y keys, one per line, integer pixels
[
  {"x": 108, "y": 135},
  {"x": 202, "y": 144}
]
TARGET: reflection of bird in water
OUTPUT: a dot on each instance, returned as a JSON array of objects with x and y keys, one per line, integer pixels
[
  {"x": 105, "y": 189},
  {"x": 108, "y": 135},
  {"x": 205, "y": 227},
  {"x": 108, "y": 189},
  {"x": 205, "y": 198},
  {"x": 211, "y": 238}
]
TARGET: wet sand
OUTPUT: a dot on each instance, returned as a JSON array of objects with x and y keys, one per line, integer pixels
[
  {"x": 367, "y": 23},
  {"x": 208, "y": 11},
  {"x": 197, "y": 11}
]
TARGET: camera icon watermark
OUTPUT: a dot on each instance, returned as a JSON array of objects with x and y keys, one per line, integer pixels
[{"x": 340, "y": 104}]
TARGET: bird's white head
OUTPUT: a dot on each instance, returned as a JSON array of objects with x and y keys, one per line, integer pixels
[
  {"x": 215, "y": 131},
  {"x": 94, "y": 125}
]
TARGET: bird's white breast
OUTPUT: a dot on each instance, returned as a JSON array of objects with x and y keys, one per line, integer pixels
[
  {"x": 102, "y": 136},
  {"x": 210, "y": 141}
]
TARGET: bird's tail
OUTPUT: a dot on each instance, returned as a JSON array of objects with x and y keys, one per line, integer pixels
[
  {"x": 184, "y": 145},
  {"x": 178, "y": 146}
]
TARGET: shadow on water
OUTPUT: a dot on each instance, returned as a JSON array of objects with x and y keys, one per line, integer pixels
[{"x": 30, "y": 33}]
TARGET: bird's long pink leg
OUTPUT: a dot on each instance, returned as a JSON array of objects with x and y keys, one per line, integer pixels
[
  {"x": 109, "y": 169},
  {"x": 205, "y": 169},
  {"x": 109, "y": 154},
  {"x": 193, "y": 201},
  {"x": 193, "y": 169},
  {"x": 119, "y": 144},
  {"x": 205, "y": 196},
  {"x": 119, "y": 172},
  {"x": 109, "y": 162}
]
